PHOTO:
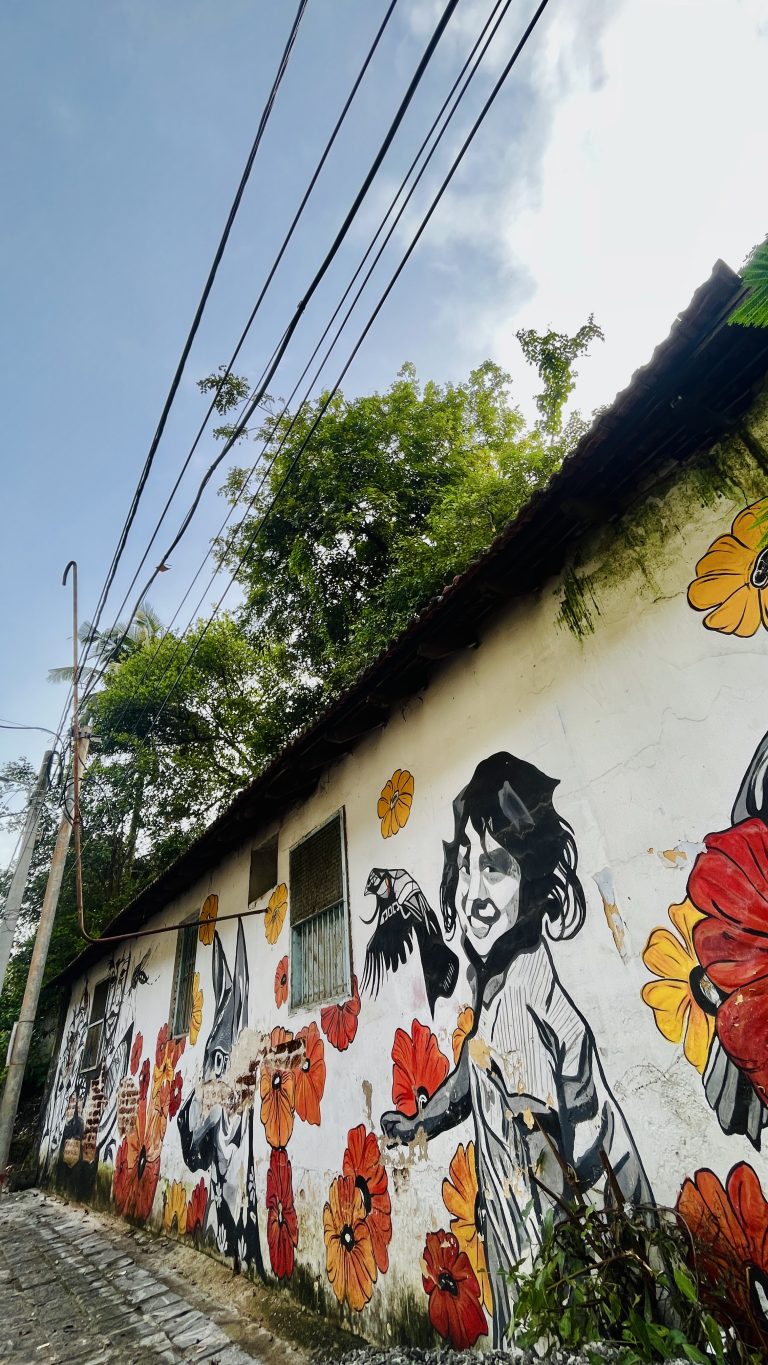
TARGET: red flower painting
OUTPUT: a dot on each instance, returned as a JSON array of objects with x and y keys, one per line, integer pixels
[
  {"x": 419, "y": 1068},
  {"x": 197, "y": 1207},
  {"x": 144, "y": 1080},
  {"x": 282, "y": 1223},
  {"x": 729, "y": 885},
  {"x": 137, "y": 1164},
  {"x": 309, "y": 1073},
  {"x": 729, "y": 1227},
  {"x": 174, "y": 1100},
  {"x": 454, "y": 1293},
  {"x": 339, "y": 1022},
  {"x": 136, "y": 1051},
  {"x": 362, "y": 1161},
  {"x": 281, "y": 982}
]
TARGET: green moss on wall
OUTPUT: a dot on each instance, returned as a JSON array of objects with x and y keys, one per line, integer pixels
[{"x": 643, "y": 542}]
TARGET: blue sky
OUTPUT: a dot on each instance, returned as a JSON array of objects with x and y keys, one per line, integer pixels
[{"x": 624, "y": 157}]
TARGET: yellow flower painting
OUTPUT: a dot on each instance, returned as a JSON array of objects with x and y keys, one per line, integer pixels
[
  {"x": 464, "y": 1025},
  {"x": 276, "y": 911},
  {"x": 175, "y": 1209},
  {"x": 679, "y": 999},
  {"x": 196, "y": 1017},
  {"x": 731, "y": 582},
  {"x": 208, "y": 916},
  {"x": 395, "y": 801}
]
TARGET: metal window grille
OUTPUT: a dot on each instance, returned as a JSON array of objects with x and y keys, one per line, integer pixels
[
  {"x": 183, "y": 978},
  {"x": 95, "y": 1033},
  {"x": 320, "y": 965}
]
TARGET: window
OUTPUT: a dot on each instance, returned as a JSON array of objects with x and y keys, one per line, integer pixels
[
  {"x": 183, "y": 979},
  {"x": 263, "y": 870},
  {"x": 95, "y": 1033},
  {"x": 320, "y": 963}
]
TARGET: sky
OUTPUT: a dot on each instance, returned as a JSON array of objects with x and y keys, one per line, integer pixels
[{"x": 622, "y": 158}]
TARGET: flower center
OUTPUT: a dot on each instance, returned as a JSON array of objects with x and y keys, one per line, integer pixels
[
  {"x": 422, "y": 1097},
  {"x": 277, "y": 1080},
  {"x": 347, "y": 1237},
  {"x": 703, "y": 991},
  {"x": 280, "y": 1213},
  {"x": 446, "y": 1282},
  {"x": 141, "y": 1163},
  {"x": 305, "y": 1064},
  {"x": 759, "y": 575},
  {"x": 362, "y": 1186}
]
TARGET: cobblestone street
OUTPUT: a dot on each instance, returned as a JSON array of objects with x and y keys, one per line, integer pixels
[{"x": 74, "y": 1289}]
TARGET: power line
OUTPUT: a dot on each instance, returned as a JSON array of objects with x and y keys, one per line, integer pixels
[
  {"x": 316, "y": 280},
  {"x": 492, "y": 23},
  {"x": 270, "y": 276},
  {"x": 379, "y": 305},
  {"x": 199, "y": 313},
  {"x": 487, "y": 33}
]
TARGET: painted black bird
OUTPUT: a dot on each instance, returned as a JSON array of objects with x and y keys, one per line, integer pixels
[{"x": 402, "y": 914}]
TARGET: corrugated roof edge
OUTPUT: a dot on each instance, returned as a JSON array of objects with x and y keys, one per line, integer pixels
[{"x": 698, "y": 382}]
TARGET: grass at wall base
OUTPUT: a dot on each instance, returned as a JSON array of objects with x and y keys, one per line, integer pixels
[{"x": 627, "y": 1277}]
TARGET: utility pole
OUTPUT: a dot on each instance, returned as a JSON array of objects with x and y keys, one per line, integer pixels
[
  {"x": 22, "y": 1037},
  {"x": 13, "y": 900}
]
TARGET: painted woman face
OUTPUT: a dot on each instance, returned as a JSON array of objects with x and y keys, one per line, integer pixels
[{"x": 488, "y": 893}]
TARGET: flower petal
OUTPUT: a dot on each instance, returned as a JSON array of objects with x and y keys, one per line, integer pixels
[
  {"x": 751, "y": 525},
  {"x": 666, "y": 956},
  {"x": 670, "y": 1002},
  {"x": 698, "y": 1036},
  {"x": 739, "y": 615}
]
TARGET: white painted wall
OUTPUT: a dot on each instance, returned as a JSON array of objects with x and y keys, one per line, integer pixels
[{"x": 649, "y": 724}]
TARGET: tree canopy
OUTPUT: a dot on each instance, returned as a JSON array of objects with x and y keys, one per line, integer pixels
[{"x": 341, "y": 543}]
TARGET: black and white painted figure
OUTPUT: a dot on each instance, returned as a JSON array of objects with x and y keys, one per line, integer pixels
[
  {"x": 211, "y": 1137},
  {"x": 403, "y": 914},
  {"x": 528, "y": 1073}
]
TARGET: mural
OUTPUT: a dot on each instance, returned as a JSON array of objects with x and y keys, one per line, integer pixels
[
  {"x": 712, "y": 987},
  {"x": 528, "y": 1073},
  {"x": 80, "y": 1127},
  {"x": 216, "y": 1136},
  {"x": 731, "y": 582},
  {"x": 403, "y": 914},
  {"x": 395, "y": 801}
]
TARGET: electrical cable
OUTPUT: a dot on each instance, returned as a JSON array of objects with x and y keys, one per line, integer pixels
[
  {"x": 273, "y": 269},
  {"x": 122, "y": 539},
  {"x": 317, "y": 278},
  {"x": 379, "y": 305},
  {"x": 494, "y": 18}
]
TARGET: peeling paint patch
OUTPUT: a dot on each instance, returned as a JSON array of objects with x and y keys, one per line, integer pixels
[
  {"x": 618, "y": 928},
  {"x": 368, "y": 1097},
  {"x": 684, "y": 851}
]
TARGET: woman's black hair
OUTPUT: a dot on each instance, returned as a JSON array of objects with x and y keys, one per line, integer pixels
[{"x": 512, "y": 800}]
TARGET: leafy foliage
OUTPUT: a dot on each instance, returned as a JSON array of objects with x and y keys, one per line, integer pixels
[
  {"x": 624, "y": 1276},
  {"x": 394, "y": 494},
  {"x": 753, "y": 312}
]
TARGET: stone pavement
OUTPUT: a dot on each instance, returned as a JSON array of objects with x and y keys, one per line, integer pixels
[{"x": 72, "y": 1291}]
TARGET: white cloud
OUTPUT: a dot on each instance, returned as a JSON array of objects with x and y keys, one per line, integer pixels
[{"x": 636, "y": 163}]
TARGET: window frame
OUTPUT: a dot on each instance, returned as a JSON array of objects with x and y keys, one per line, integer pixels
[
  {"x": 186, "y": 932},
  {"x": 295, "y": 1006},
  {"x": 86, "y": 1067}
]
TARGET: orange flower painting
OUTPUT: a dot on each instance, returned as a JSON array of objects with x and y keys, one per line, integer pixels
[
  {"x": 276, "y": 911},
  {"x": 731, "y": 582},
  {"x": 196, "y": 1017},
  {"x": 281, "y": 982},
  {"x": 339, "y": 1022},
  {"x": 207, "y": 923},
  {"x": 464, "y": 1026},
  {"x": 419, "y": 1067},
  {"x": 362, "y": 1161},
  {"x": 276, "y": 1087},
  {"x": 349, "y": 1258},
  {"x": 309, "y": 1075},
  {"x": 395, "y": 801},
  {"x": 729, "y": 1228},
  {"x": 460, "y": 1196}
]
